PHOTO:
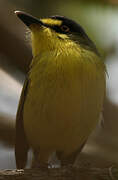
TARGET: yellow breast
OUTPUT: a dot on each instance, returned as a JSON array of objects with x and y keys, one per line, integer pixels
[{"x": 64, "y": 100}]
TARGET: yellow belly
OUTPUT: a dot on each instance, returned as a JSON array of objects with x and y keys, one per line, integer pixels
[
  {"x": 63, "y": 108},
  {"x": 62, "y": 124}
]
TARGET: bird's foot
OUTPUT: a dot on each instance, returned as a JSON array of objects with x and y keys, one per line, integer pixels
[
  {"x": 65, "y": 163},
  {"x": 42, "y": 166}
]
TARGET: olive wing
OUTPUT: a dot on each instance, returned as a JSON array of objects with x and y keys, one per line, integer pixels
[{"x": 21, "y": 143}]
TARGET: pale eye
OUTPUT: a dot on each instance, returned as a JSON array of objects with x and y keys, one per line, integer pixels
[{"x": 65, "y": 28}]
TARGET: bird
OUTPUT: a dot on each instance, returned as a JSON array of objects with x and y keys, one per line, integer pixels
[{"x": 63, "y": 93}]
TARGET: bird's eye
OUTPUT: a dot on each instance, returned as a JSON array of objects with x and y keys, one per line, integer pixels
[{"x": 65, "y": 28}]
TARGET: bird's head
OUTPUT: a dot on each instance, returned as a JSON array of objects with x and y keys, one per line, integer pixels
[{"x": 55, "y": 33}]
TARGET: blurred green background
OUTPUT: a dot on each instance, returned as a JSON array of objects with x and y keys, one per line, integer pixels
[{"x": 100, "y": 20}]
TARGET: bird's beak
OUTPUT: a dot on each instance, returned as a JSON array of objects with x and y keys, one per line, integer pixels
[{"x": 27, "y": 19}]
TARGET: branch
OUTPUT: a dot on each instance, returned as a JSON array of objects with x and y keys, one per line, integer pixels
[{"x": 65, "y": 173}]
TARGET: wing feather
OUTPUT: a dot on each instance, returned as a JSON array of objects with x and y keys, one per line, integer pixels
[{"x": 21, "y": 143}]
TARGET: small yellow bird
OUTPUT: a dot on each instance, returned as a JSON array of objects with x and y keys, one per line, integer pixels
[{"x": 63, "y": 94}]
